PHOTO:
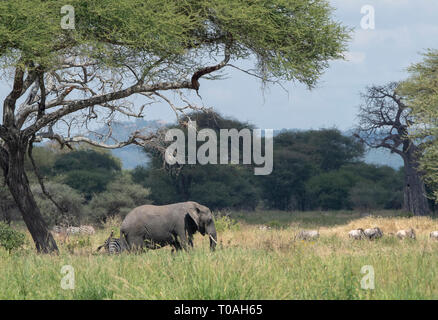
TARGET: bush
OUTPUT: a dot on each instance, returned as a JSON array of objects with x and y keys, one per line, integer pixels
[
  {"x": 330, "y": 191},
  {"x": 10, "y": 239},
  {"x": 64, "y": 196},
  {"x": 121, "y": 196},
  {"x": 225, "y": 223},
  {"x": 87, "y": 171},
  {"x": 367, "y": 195},
  {"x": 275, "y": 224},
  {"x": 78, "y": 243}
]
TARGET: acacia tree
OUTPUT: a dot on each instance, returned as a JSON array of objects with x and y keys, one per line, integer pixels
[
  {"x": 64, "y": 79},
  {"x": 384, "y": 122}
]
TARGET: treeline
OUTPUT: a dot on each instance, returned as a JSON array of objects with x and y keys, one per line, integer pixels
[{"x": 313, "y": 170}]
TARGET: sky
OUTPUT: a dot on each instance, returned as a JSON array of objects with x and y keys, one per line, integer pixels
[{"x": 403, "y": 30}]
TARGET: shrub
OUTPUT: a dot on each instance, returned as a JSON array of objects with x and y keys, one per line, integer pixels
[
  {"x": 66, "y": 197},
  {"x": 224, "y": 223},
  {"x": 275, "y": 224},
  {"x": 78, "y": 243},
  {"x": 87, "y": 171},
  {"x": 10, "y": 239},
  {"x": 330, "y": 191},
  {"x": 121, "y": 196}
]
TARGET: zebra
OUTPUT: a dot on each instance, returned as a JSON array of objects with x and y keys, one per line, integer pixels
[
  {"x": 58, "y": 229},
  {"x": 114, "y": 245},
  {"x": 87, "y": 230},
  {"x": 73, "y": 230}
]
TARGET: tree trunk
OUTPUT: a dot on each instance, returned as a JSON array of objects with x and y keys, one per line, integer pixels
[
  {"x": 415, "y": 199},
  {"x": 18, "y": 184}
]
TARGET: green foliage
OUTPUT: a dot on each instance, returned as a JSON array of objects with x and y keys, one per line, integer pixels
[
  {"x": 66, "y": 197},
  {"x": 86, "y": 160},
  {"x": 10, "y": 239},
  {"x": 359, "y": 186},
  {"x": 420, "y": 90},
  {"x": 328, "y": 149},
  {"x": 219, "y": 186},
  {"x": 367, "y": 195},
  {"x": 292, "y": 40},
  {"x": 226, "y": 223},
  {"x": 44, "y": 158},
  {"x": 160, "y": 183},
  {"x": 87, "y": 171},
  {"x": 216, "y": 186},
  {"x": 303, "y": 155},
  {"x": 78, "y": 242},
  {"x": 330, "y": 190},
  {"x": 275, "y": 224},
  {"x": 120, "y": 197},
  {"x": 285, "y": 188},
  {"x": 88, "y": 182},
  {"x": 376, "y": 187}
]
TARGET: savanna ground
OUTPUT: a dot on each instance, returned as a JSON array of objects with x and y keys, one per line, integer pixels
[{"x": 249, "y": 263}]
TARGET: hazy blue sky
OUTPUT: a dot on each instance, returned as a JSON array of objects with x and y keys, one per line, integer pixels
[{"x": 404, "y": 28}]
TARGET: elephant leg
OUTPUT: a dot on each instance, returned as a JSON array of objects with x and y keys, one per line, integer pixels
[
  {"x": 135, "y": 242},
  {"x": 191, "y": 241},
  {"x": 181, "y": 241},
  {"x": 176, "y": 246}
]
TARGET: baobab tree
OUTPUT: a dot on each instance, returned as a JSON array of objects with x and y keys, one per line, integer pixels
[
  {"x": 69, "y": 76},
  {"x": 384, "y": 122}
]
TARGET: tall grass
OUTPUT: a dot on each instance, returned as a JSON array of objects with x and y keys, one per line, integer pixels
[{"x": 248, "y": 264}]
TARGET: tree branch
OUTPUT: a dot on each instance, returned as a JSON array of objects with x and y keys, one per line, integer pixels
[
  {"x": 136, "y": 138},
  {"x": 73, "y": 106},
  {"x": 201, "y": 72}
]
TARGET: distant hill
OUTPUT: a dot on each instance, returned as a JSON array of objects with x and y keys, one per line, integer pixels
[{"x": 132, "y": 156}]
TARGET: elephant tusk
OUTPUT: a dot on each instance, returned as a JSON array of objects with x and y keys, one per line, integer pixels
[{"x": 212, "y": 239}]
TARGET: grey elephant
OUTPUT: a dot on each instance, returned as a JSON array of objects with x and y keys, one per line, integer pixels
[{"x": 153, "y": 227}]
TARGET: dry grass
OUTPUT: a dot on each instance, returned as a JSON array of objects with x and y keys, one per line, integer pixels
[{"x": 249, "y": 263}]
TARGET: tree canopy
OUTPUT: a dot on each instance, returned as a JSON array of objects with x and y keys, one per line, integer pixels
[
  {"x": 291, "y": 40},
  {"x": 421, "y": 94}
]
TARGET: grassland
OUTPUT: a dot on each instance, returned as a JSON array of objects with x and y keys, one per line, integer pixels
[{"x": 249, "y": 263}]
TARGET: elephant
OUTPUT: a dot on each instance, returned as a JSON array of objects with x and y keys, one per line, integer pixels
[{"x": 153, "y": 227}]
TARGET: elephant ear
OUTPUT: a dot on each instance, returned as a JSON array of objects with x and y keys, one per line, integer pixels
[{"x": 194, "y": 214}]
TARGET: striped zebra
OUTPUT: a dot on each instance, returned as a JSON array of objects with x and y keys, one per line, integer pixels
[
  {"x": 113, "y": 245},
  {"x": 87, "y": 230},
  {"x": 73, "y": 230}
]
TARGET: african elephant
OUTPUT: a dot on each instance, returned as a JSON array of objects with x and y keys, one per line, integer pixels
[{"x": 156, "y": 226}]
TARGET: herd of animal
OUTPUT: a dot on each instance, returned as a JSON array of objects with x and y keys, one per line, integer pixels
[
  {"x": 361, "y": 234},
  {"x": 154, "y": 227}
]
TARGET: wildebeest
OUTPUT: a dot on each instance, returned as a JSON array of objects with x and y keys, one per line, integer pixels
[
  {"x": 357, "y": 234},
  {"x": 308, "y": 235},
  {"x": 373, "y": 233},
  {"x": 408, "y": 233}
]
